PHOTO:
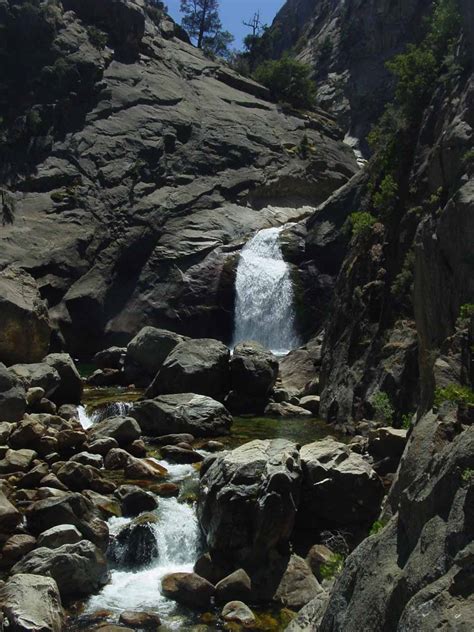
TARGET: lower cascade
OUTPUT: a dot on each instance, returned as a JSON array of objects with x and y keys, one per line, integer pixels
[{"x": 264, "y": 306}]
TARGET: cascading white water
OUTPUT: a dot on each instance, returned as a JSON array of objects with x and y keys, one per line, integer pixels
[
  {"x": 264, "y": 308},
  {"x": 115, "y": 409},
  {"x": 177, "y": 536}
]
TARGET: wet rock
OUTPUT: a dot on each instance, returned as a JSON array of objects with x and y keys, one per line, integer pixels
[
  {"x": 253, "y": 373},
  {"x": 286, "y": 409},
  {"x": 17, "y": 461},
  {"x": 135, "y": 500},
  {"x": 135, "y": 545},
  {"x": 149, "y": 349},
  {"x": 198, "y": 415},
  {"x": 68, "y": 411},
  {"x": 51, "y": 480},
  {"x": 143, "y": 469},
  {"x": 32, "y": 603},
  {"x": 24, "y": 322},
  {"x": 16, "y": 547},
  {"x": 78, "y": 569},
  {"x": 46, "y": 406},
  {"x": 298, "y": 585},
  {"x": 213, "y": 446},
  {"x": 188, "y": 589},
  {"x": 235, "y": 587},
  {"x": 70, "y": 386},
  {"x": 76, "y": 476},
  {"x": 70, "y": 508},
  {"x": 71, "y": 439},
  {"x": 12, "y": 396},
  {"x": 142, "y": 620},
  {"x": 212, "y": 568},
  {"x": 87, "y": 458},
  {"x": 173, "y": 439},
  {"x": 40, "y": 375},
  {"x": 123, "y": 429},
  {"x": 194, "y": 366},
  {"x": 238, "y": 612},
  {"x": 105, "y": 377},
  {"x": 57, "y": 536},
  {"x": 166, "y": 490},
  {"x": 180, "y": 455},
  {"x": 111, "y": 358},
  {"x": 248, "y": 498}
]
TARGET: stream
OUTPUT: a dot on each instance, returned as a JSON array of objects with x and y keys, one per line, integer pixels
[{"x": 177, "y": 531}]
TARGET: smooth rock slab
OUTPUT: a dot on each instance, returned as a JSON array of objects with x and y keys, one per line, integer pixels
[
  {"x": 188, "y": 413},
  {"x": 32, "y": 603},
  {"x": 150, "y": 348},
  {"x": 78, "y": 569},
  {"x": 123, "y": 429}
]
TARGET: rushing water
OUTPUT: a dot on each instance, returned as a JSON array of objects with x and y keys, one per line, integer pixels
[
  {"x": 114, "y": 409},
  {"x": 178, "y": 539},
  {"x": 264, "y": 309}
]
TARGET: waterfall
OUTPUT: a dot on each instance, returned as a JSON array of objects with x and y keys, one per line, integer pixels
[
  {"x": 115, "y": 409},
  {"x": 264, "y": 308},
  {"x": 178, "y": 539}
]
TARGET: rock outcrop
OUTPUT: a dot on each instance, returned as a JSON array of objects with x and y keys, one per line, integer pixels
[
  {"x": 150, "y": 165},
  {"x": 12, "y": 396},
  {"x": 248, "y": 499},
  {"x": 24, "y": 323}
]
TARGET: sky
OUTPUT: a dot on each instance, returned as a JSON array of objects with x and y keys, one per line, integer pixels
[{"x": 232, "y": 13}]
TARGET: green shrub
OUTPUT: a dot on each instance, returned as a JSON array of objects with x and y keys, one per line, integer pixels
[
  {"x": 468, "y": 475},
  {"x": 377, "y": 526},
  {"x": 288, "y": 80},
  {"x": 406, "y": 421},
  {"x": 468, "y": 157},
  {"x": 97, "y": 38},
  {"x": 466, "y": 311},
  {"x": 385, "y": 197},
  {"x": 454, "y": 393},
  {"x": 403, "y": 283},
  {"x": 383, "y": 408},
  {"x": 333, "y": 567},
  {"x": 361, "y": 222}
]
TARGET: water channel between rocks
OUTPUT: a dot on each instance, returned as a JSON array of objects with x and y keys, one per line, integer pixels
[{"x": 177, "y": 531}]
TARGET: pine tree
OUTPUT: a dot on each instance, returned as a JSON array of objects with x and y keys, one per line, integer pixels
[{"x": 201, "y": 19}]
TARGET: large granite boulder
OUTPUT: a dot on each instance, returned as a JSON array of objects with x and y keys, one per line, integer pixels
[
  {"x": 124, "y": 430},
  {"x": 24, "y": 322},
  {"x": 12, "y": 396},
  {"x": 340, "y": 489},
  {"x": 194, "y": 366},
  {"x": 147, "y": 351},
  {"x": 78, "y": 569},
  {"x": 422, "y": 559},
  {"x": 32, "y": 603},
  {"x": 70, "y": 508},
  {"x": 69, "y": 390},
  {"x": 253, "y": 373},
  {"x": 198, "y": 415},
  {"x": 248, "y": 498},
  {"x": 37, "y": 375}
]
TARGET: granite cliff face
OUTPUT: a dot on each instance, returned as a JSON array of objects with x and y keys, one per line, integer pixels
[
  {"x": 347, "y": 45},
  {"x": 133, "y": 162}
]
